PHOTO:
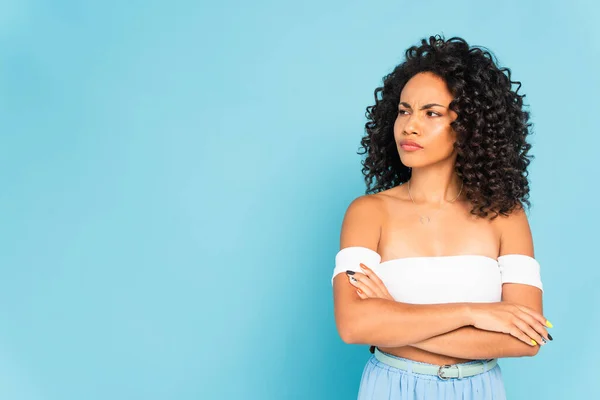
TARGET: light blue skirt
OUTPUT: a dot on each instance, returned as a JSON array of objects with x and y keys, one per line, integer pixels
[{"x": 384, "y": 382}]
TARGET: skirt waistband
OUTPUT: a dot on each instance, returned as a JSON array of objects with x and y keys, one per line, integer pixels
[{"x": 442, "y": 371}]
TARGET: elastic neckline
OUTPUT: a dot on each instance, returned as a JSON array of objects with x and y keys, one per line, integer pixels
[{"x": 439, "y": 257}]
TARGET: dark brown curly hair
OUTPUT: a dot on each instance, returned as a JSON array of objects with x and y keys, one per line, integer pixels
[{"x": 492, "y": 151}]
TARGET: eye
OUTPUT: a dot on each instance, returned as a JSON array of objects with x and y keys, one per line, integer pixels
[
  {"x": 402, "y": 112},
  {"x": 434, "y": 114}
]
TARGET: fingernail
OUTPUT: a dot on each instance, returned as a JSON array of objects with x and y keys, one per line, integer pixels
[
  {"x": 549, "y": 324},
  {"x": 350, "y": 272},
  {"x": 363, "y": 266},
  {"x": 359, "y": 291},
  {"x": 353, "y": 279},
  {"x": 544, "y": 341},
  {"x": 533, "y": 342},
  {"x": 550, "y": 337}
]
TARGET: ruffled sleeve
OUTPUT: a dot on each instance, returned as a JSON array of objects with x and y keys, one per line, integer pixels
[{"x": 350, "y": 258}]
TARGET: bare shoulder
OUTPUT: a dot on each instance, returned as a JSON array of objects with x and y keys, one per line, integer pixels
[
  {"x": 515, "y": 232},
  {"x": 514, "y": 222},
  {"x": 362, "y": 222},
  {"x": 369, "y": 203}
]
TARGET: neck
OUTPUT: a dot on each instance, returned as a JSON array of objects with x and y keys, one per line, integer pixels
[{"x": 435, "y": 185}]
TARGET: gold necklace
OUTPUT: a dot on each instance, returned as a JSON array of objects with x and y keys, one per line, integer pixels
[{"x": 424, "y": 218}]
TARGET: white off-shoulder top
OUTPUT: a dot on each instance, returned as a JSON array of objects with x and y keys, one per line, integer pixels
[{"x": 443, "y": 279}]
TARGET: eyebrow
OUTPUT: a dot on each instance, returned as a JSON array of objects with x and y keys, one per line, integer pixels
[{"x": 425, "y": 107}]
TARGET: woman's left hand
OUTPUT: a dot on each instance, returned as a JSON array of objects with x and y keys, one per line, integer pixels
[{"x": 368, "y": 284}]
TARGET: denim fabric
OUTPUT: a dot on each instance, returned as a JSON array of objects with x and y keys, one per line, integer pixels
[{"x": 382, "y": 382}]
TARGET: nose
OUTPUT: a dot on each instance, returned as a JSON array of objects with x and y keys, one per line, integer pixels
[{"x": 413, "y": 125}]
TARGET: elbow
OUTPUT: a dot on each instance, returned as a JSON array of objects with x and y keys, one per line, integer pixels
[
  {"x": 352, "y": 324},
  {"x": 348, "y": 334},
  {"x": 534, "y": 350},
  {"x": 531, "y": 351},
  {"x": 347, "y": 329}
]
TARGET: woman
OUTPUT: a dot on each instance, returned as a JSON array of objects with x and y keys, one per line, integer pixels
[{"x": 440, "y": 275}]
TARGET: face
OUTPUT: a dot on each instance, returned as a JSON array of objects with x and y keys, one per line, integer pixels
[{"x": 424, "y": 118}]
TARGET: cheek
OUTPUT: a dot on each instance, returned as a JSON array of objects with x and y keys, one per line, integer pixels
[
  {"x": 398, "y": 127},
  {"x": 443, "y": 136}
]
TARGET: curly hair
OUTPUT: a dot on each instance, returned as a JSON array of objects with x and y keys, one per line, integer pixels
[{"x": 491, "y": 126}]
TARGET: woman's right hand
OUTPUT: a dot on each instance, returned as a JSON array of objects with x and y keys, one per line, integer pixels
[{"x": 519, "y": 321}]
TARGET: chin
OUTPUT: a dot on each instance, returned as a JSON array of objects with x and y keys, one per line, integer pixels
[{"x": 413, "y": 162}]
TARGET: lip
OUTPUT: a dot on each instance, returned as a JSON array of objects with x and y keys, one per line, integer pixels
[{"x": 409, "y": 145}]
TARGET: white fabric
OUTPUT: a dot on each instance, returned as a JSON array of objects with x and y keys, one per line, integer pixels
[
  {"x": 518, "y": 268},
  {"x": 443, "y": 279}
]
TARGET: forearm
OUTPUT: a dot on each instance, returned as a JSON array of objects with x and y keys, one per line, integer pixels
[
  {"x": 471, "y": 343},
  {"x": 387, "y": 323}
]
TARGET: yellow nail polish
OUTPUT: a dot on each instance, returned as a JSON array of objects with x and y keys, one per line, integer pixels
[
  {"x": 549, "y": 324},
  {"x": 533, "y": 342}
]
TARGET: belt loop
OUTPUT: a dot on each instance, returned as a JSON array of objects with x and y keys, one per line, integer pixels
[
  {"x": 460, "y": 372},
  {"x": 485, "y": 365}
]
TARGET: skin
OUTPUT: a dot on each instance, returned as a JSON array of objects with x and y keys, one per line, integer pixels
[{"x": 388, "y": 222}]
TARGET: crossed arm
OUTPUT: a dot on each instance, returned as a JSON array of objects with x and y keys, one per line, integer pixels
[
  {"x": 438, "y": 328},
  {"x": 472, "y": 343},
  {"x": 469, "y": 342},
  {"x": 441, "y": 329}
]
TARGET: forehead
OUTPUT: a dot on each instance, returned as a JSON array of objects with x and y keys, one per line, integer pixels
[{"x": 426, "y": 87}]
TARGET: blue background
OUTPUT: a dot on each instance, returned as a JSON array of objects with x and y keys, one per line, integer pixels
[{"x": 174, "y": 176}]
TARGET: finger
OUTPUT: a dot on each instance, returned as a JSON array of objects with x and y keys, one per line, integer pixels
[
  {"x": 519, "y": 334},
  {"x": 539, "y": 317},
  {"x": 367, "y": 282},
  {"x": 361, "y": 294},
  {"x": 540, "y": 330},
  {"x": 376, "y": 280},
  {"x": 359, "y": 284},
  {"x": 530, "y": 332},
  {"x": 369, "y": 272}
]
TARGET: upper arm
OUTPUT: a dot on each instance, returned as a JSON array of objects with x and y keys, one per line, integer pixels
[
  {"x": 362, "y": 223},
  {"x": 516, "y": 238},
  {"x": 361, "y": 227}
]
